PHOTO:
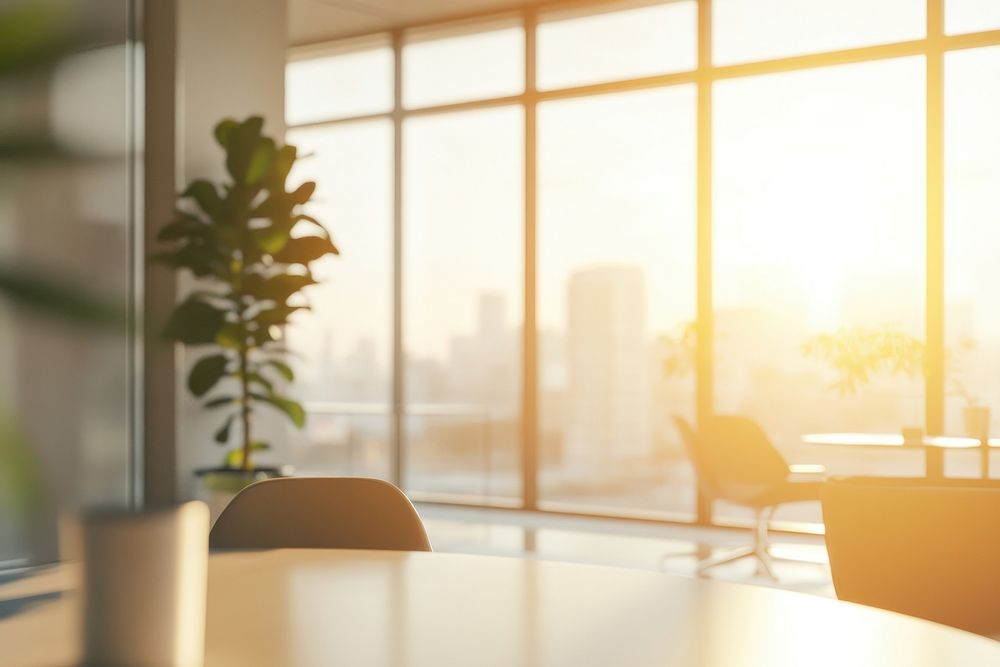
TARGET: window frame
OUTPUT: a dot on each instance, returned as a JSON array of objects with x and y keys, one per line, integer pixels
[{"x": 932, "y": 47}]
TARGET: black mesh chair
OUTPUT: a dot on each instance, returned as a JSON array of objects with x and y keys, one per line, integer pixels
[{"x": 736, "y": 462}]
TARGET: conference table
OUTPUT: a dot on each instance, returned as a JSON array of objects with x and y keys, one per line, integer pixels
[
  {"x": 347, "y": 608},
  {"x": 933, "y": 446}
]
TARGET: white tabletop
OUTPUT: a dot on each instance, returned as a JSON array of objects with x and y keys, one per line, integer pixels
[
  {"x": 892, "y": 440},
  {"x": 315, "y": 607}
]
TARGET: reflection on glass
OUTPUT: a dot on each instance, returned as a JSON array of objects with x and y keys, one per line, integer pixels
[
  {"x": 623, "y": 42},
  {"x": 972, "y": 201},
  {"x": 463, "y": 218},
  {"x": 746, "y": 30},
  {"x": 320, "y": 86},
  {"x": 971, "y": 15},
  {"x": 464, "y": 63},
  {"x": 818, "y": 242},
  {"x": 616, "y": 293},
  {"x": 66, "y": 221},
  {"x": 345, "y": 343}
]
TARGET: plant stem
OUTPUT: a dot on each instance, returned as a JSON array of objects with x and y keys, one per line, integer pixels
[
  {"x": 245, "y": 407},
  {"x": 244, "y": 357}
]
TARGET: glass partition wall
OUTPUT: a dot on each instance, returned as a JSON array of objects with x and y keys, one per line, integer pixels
[{"x": 565, "y": 225}]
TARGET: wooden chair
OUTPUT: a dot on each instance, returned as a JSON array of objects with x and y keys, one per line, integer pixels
[{"x": 320, "y": 513}]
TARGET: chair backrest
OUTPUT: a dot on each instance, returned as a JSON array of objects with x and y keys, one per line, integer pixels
[
  {"x": 693, "y": 450},
  {"x": 926, "y": 549},
  {"x": 733, "y": 456},
  {"x": 320, "y": 513}
]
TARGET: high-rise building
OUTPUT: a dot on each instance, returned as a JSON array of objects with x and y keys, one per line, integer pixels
[{"x": 608, "y": 424}]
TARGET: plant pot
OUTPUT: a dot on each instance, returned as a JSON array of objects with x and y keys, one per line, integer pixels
[
  {"x": 977, "y": 421},
  {"x": 218, "y": 486}
]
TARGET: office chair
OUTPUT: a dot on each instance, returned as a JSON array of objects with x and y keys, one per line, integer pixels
[
  {"x": 922, "y": 548},
  {"x": 736, "y": 462},
  {"x": 320, "y": 513}
]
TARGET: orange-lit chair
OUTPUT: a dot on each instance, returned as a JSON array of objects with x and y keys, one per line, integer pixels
[
  {"x": 926, "y": 549},
  {"x": 736, "y": 462},
  {"x": 320, "y": 513}
]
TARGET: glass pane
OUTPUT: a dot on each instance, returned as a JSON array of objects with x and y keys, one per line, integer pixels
[
  {"x": 622, "y": 42},
  {"x": 819, "y": 231},
  {"x": 67, "y": 224},
  {"x": 616, "y": 286},
  {"x": 463, "y": 224},
  {"x": 971, "y": 15},
  {"x": 972, "y": 200},
  {"x": 746, "y": 30},
  {"x": 338, "y": 85},
  {"x": 463, "y": 64},
  {"x": 345, "y": 342}
]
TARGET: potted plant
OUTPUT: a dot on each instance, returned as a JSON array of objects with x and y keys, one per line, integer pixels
[
  {"x": 859, "y": 353},
  {"x": 237, "y": 239},
  {"x": 975, "y": 415}
]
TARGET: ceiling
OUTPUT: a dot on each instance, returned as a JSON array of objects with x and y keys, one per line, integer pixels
[{"x": 319, "y": 20}]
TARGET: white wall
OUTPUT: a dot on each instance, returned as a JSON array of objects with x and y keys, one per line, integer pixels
[{"x": 231, "y": 63}]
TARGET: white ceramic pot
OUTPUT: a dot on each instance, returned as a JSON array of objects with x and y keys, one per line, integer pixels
[{"x": 977, "y": 421}]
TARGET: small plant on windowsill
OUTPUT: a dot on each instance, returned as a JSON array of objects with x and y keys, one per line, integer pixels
[
  {"x": 236, "y": 239},
  {"x": 858, "y": 354},
  {"x": 975, "y": 413}
]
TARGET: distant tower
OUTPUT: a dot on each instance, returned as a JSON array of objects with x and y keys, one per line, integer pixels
[
  {"x": 492, "y": 316},
  {"x": 608, "y": 421},
  {"x": 495, "y": 365}
]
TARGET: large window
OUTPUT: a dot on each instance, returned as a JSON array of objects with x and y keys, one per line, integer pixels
[
  {"x": 345, "y": 346},
  {"x": 818, "y": 232},
  {"x": 972, "y": 213},
  {"x": 587, "y": 193},
  {"x": 616, "y": 273},
  {"x": 463, "y": 239}
]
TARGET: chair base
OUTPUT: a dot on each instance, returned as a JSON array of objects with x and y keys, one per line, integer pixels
[{"x": 757, "y": 549}]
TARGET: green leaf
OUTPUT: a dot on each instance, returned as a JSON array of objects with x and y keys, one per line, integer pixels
[
  {"x": 35, "y": 35},
  {"x": 194, "y": 322},
  {"x": 185, "y": 226},
  {"x": 22, "y": 485},
  {"x": 234, "y": 458},
  {"x": 271, "y": 239},
  {"x": 257, "y": 378},
  {"x": 218, "y": 402},
  {"x": 222, "y": 131},
  {"x": 231, "y": 335},
  {"x": 305, "y": 249},
  {"x": 294, "y": 410},
  {"x": 206, "y": 196},
  {"x": 276, "y": 288},
  {"x": 222, "y": 435},
  {"x": 275, "y": 316},
  {"x": 284, "y": 369},
  {"x": 303, "y": 193},
  {"x": 242, "y": 140},
  {"x": 308, "y": 218},
  {"x": 199, "y": 257},
  {"x": 283, "y": 160},
  {"x": 206, "y": 373},
  {"x": 59, "y": 298},
  {"x": 260, "y": 160}
]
